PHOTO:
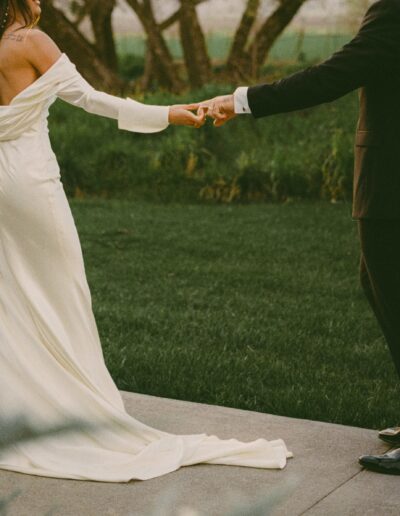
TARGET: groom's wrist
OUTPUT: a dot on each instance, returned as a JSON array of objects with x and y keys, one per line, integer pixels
[{"x": 241, "y": 102}]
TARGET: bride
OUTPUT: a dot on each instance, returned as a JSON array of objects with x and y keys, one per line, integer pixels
[{"x": 51, "y": 361}]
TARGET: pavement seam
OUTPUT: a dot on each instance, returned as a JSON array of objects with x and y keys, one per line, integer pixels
[
  {"x": 339, "y": 486},
  {"x": 331, "y": 492}
]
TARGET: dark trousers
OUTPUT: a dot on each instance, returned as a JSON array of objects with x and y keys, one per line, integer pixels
[{"x": 380, "y": 276}]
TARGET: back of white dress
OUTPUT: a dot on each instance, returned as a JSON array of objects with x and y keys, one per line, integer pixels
[{"x": 51, "y": 361}]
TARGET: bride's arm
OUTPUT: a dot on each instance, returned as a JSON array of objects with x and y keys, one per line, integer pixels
[{"x": 131, "y": 115}]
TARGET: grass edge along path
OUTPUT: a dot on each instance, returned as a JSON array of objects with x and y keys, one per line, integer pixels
[{"x": 256, "y": 307}]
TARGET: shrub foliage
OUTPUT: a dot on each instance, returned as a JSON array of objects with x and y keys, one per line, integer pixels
[{"x": 307, "y": 154}]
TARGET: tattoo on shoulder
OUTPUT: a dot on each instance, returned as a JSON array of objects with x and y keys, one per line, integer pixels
[{"x": 14, "y": 37}]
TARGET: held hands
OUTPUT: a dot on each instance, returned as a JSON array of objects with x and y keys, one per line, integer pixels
[
  {"x": 221, "y": 109},
  {"x": 181, "y": 114}
]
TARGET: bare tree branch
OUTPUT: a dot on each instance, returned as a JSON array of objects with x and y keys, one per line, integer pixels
[
  {"x": 79, "y": 49},
  {"x": 237, "y": 54},
  {"x": 273, "y": 26},
  {"x": 174, "y": 18},
  {"x": 101, "y": 18},
  {"x": 198, "y": 64},
  {"x": 168, "y": 72}
]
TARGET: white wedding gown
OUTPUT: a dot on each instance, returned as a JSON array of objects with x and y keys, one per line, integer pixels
[{"x": 51, "y": 361}]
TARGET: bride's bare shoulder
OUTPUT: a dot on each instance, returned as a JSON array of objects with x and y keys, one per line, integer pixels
[{"x": 41, "y": 50}]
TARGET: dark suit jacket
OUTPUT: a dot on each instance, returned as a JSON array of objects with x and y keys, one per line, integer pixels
[{"x": 370, "y": 61}]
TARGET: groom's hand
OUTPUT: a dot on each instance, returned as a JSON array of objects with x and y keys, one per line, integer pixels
[
  {"x": 181, "y": 114},
  {"x": 221, "y": 109}
]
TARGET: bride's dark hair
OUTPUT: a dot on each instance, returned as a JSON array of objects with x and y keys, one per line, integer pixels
[{"x": 8, "y": 11}]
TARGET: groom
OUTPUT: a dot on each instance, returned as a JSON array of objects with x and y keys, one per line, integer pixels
[{"x": 370, "y": 61}]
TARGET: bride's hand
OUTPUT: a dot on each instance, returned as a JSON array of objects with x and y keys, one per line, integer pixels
[{"x": 181, "y": 114}]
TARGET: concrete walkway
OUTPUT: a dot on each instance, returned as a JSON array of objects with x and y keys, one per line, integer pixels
[{"x": 323, "y": 478}]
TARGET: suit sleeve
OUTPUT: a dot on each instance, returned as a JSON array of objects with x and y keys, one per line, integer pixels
[
  {"x": 369, "y": 56},
  {"x": 130, "y": 114}
]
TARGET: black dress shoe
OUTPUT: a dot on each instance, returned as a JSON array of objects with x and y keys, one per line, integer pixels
[
  {"x": 390, "y": 435},
  {"x": 388, "y": 463}
]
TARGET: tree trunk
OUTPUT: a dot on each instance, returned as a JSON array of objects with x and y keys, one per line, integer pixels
[
  {"x": 152, "y": 72},
  {"x": 236, "y": 62},
  {"x": 167, "y": 69},
  {"x": 148, "y": 74},
  {"x": 101, "y": 18},
  {"x": 78, "y": 48},
  {"x": 194, "y": 46},
  {"x": 269, "y": 32}
]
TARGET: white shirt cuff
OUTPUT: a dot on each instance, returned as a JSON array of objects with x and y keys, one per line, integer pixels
[{"x": 241, "y": 101}]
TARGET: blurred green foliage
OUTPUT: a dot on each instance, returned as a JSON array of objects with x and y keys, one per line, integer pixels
[{"x": 307, "y": 154}]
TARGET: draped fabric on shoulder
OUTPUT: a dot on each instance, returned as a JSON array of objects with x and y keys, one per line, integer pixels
[
  {"x": 51, "y": 361},
  {"x": 64, "y": 81}
]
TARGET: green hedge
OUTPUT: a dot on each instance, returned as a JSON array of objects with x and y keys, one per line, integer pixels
[{"x": 306, "y": 154}]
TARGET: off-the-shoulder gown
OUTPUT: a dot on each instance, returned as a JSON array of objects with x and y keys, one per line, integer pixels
[{"x": 51, "y": 361}]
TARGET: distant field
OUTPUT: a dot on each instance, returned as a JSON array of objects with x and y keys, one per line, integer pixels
[{"x": 289, "y": 47}]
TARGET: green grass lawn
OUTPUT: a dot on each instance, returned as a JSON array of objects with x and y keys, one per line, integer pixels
[{"x": 256, "y": 307}]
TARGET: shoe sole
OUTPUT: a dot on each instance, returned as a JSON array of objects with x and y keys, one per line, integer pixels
[
  {"x": 377, "y": 469},
  {"x": 389, "y": 440}
]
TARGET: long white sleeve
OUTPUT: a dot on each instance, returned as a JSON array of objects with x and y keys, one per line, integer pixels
[{"x": 131, "y": 115}]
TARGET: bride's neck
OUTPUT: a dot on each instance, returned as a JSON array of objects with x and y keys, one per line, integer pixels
[{"x": 18, "y": 22}]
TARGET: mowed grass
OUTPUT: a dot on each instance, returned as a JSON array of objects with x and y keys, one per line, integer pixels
[{"x": 250, "y": 306}]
